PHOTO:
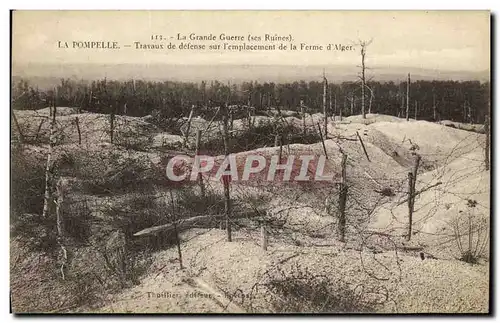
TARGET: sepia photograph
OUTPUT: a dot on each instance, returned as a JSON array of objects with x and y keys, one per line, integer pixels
[{"x": 250, "y": 162}]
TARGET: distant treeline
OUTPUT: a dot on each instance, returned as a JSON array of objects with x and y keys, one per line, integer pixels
[{"x": 435, "y": 100}]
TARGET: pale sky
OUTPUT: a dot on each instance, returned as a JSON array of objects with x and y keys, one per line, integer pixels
[{"x": 445, "y": 40}]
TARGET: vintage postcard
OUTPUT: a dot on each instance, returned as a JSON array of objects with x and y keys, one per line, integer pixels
[{"x": 250, "y": 162}]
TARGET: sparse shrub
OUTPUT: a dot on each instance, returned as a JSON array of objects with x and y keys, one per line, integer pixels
[
  {"x": 299, "y": 290},
  {"x": 471, "y": 234},
  {"x": 191, "y": 203},
  {"x": 387, "y": 191},
  {"x": 121, "y": 174},
  {"x": 35, "y": 232},
  {"x": 27, "y": 183}
]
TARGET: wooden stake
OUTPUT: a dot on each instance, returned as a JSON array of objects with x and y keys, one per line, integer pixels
[
  {"x": 412, "y": 180},
  {"x": 342, "y": 201},
  {"x": 197, "y": 152},
  {"x": 77, "y": 122},
  {"x": 227, "y": 198},
  {"x": 410, "y": 205},
  {"x": 60, "y": 226},
  {"x": 363, "y": 145},
  {"x": 47, "y": 200},
  {"x": 176, "y": 231},
  {"x": 264, "y": 236},
  {"x": 186, "y": 135},
  {"x": 112, "y": 124}
]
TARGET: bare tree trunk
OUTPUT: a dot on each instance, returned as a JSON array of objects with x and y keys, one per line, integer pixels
[
  {"x": 469, "y": 114},
  {"x": 434, "y": 106},
  {"x": 342, "y": 201},
  {"x": 363, "y": 81},
  {"x": 370, "y": 106},
  {"x": 464, "y": 113},
  {"x": 197, "y": 152},
  {"x": 227, "y": 198},
  {"x": 352, "y": 104},
  {"x": 402, "y": 106},
  {"x": 416, "y": 109},
  {"x": 325, "y": 84},
  {"x": 330, "y": 106},
  {"x": 303, "y": 118},
  {"x": 231, "y": 122},
  {"x": 408, "y": 98}
]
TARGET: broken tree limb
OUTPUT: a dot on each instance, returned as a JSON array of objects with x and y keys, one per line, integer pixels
[
  {"x": 363, "y": 145},
  {"x": 21, "y": 136},
  {"x": 211, "y": 120},
  {"x": 322, "y": 141},
  {"x": 180, "y": 224},
  {"x": 38, "y": 130},
  {"x": 420, "y": 192}
]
